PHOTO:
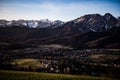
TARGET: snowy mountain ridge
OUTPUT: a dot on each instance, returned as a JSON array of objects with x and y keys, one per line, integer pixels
[{"x": 31, "y": 23}]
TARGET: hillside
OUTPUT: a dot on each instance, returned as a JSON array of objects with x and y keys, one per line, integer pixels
[{"x": 87, "y": 39}]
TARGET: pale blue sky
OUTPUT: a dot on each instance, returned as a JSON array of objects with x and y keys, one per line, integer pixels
[{"x": 64, "y": 10}]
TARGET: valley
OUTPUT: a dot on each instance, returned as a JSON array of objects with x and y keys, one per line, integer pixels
[{"x": 87, "y": 46}]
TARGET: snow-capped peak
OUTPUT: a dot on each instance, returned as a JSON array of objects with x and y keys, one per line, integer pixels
[{"x": 48, "y": 23}]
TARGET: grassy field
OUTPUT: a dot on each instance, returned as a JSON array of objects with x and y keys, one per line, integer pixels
[
  {"x": 21, "y": 75},
  {"x": 25, "y": 63},
  {"x": 104, "y": 56}
]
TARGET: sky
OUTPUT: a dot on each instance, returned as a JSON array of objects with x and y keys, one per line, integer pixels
[{"x": 64, "y": 10}]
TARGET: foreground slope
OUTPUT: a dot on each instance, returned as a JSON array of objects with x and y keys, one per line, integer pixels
[{"x": 20, "y": 75}]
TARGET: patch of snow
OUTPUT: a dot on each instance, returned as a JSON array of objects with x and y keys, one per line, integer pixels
[
  {"x": 90, "y": 19},
  {"x": 93, "y": 30},
  {"x": 32, "y": 24},
  {"x": 9, "y": 23}
]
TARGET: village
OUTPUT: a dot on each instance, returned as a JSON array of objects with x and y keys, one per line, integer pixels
[{"x": 62, "y": 60}]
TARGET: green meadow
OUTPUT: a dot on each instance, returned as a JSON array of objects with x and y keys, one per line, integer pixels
[{"x": 22, "y": 75}]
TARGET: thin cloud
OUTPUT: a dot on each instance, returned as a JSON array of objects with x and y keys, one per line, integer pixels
[{"x": 53, "y": 10}]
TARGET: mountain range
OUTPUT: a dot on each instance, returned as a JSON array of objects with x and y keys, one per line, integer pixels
[
  {"x": 88, "y": 31},
  {"x": 31, "y": 23}
]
